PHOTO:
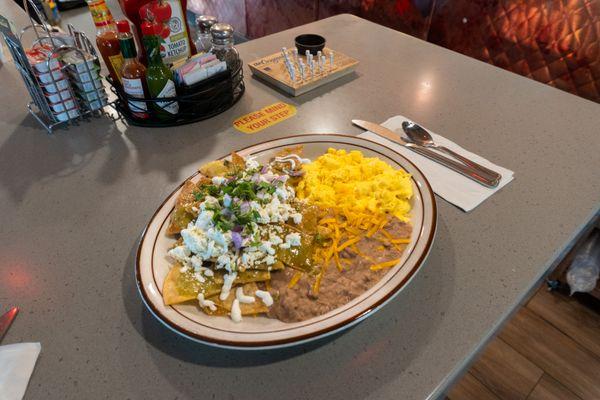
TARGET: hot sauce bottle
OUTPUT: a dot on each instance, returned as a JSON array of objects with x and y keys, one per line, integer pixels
[
  {"x": 106, "y": 38},
  {"x": 133, "y": 73}
]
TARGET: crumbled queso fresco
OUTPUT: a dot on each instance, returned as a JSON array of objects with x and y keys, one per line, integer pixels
[{"x": 236, "y": 229}]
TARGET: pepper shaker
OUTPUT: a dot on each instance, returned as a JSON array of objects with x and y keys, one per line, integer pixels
[{"x": 222, "y": 44}]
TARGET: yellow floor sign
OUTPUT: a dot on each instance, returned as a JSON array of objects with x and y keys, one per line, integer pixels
[{"x": 264, "y": 118}]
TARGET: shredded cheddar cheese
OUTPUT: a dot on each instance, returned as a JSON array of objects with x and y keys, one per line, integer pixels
[
  {"x": 294, "y": 279},
  {"x": 386, "y": 264},
  {"x": 317, "y": 283},
  {"x": 347, "y": 243},
  {"x": 362, "y": 194},
  {"x": 338, "y": 264},
  {"x": 400, "y": 241}
]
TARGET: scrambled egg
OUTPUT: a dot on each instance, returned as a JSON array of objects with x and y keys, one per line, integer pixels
[{"x": 356, "y": 184}]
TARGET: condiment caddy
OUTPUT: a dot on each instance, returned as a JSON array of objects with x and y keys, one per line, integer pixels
[
  {"x": 160, "y": 87},
  {"x": 158, "y": 90},
  {"x": 60, "y": 71},
  {"x": 202, "y": 100}
]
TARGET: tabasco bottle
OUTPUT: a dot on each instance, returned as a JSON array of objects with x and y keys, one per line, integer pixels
[
  {"x": 159, "y": 77},
  {"x": 170, "y": 16},
  {"x": 106, "y": 38},
  {"x": 133, "y": 73}
]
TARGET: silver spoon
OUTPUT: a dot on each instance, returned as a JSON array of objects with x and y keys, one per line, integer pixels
[{"x": 421, "y": 137}]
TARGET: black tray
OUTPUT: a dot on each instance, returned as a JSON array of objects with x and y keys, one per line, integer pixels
[{"x": 200, "y": 101}]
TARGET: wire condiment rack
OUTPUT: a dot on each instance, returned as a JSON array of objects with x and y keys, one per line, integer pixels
[{"x": 70, "y": 110}]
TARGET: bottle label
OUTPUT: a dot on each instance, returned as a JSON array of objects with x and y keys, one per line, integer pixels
[
  {"x": 176, "y": 45},
  {"x": 116, "y": 62},
  {"x": 100, "y": 12},
  {"x": 168, "y": 91},
  {"x": 134, "y": 88}
]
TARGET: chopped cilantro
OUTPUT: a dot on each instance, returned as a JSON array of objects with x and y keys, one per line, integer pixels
[
  {"x": 213, "y": 190},
  {"x": 267, "y": 187},
  {"x": 244, "y": 190},
  {"x": 235, "y": 208},
  {"x": 247, "y": 218},
  {"x": 198, "y": 195},
  {"x": 241, "y": 189},
  {"x": 224, "y": 225},
  {"x": 242, "y": 219},
  {"x": 212, "y": 208},
  {"x": 228, "y": 189}
]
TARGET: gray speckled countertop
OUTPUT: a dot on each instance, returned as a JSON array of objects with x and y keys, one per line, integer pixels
[{"x": 74, "y": 204}]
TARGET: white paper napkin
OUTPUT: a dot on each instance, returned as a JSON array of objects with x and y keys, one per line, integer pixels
[
  {"x": 451, "y": 186},
  {"x": 16, "y": 365}
]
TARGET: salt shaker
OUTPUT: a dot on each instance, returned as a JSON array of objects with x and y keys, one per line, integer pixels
[
  {"x": 222, "y": 44},
  {"x": 204, "y": 40}
]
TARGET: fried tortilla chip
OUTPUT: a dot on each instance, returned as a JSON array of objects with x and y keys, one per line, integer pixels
[
  {"x": 180, "y": 286},
  {"x": 219, "y": 311},
  {"x": 214, "y": 168},
  {"x": 182, "y": 214},
  {"x": 224, "y": 306},
  {"x": 239, "y": 163},
  {"x": 223, "y": 167},
  {"x": 300, "y": 258},
  {"x": 264, "y": 267},
  {"x": 298, "y": 150},
  {"x": 310, "y": 219}
]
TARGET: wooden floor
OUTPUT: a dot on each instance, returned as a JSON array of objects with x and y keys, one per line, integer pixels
[{"x": 550, "y": 350}]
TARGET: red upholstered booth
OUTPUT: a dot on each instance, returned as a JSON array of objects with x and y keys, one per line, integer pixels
[{"x": 552, "y": 41}]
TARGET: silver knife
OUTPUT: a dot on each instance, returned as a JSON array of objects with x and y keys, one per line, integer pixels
[
  {"x": 6, "y": 320},
  {"x": 462, "y": 169}
]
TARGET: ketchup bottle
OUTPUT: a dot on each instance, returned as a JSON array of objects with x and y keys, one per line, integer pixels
[{"x": 170, "y": 16}]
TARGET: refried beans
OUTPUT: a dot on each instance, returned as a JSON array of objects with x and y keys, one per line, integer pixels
[{"x": 337, "y": 287}]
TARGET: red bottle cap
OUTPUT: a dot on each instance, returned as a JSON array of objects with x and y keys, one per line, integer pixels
[
  {"x": 148, "y": 28},
  {"x": 123, "y": 26}
]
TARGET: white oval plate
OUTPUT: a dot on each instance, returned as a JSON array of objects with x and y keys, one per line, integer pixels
[{"x": 187, "y": 320}]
